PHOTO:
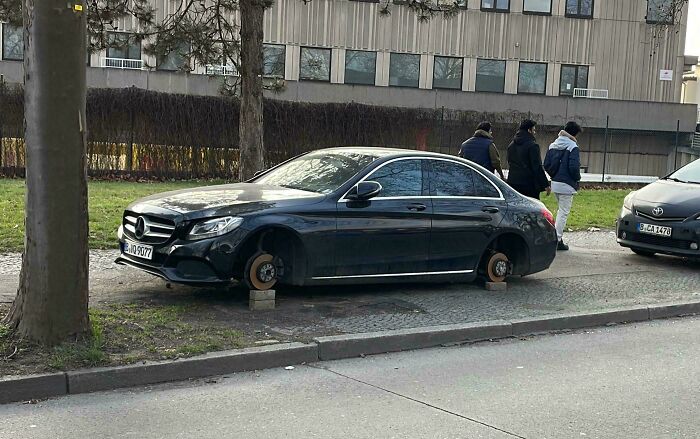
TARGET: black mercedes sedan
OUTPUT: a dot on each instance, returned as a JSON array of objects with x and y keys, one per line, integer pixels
[
  {"x": 664, "y": 217},
  {"x": 343, "y": 215}
]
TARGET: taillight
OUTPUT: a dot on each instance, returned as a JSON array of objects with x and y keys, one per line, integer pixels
[{"x": 548, "y": 215}]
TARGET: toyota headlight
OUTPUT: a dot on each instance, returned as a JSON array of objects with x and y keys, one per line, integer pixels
[
  {"x": 627, "y": 203},
  {"x": 214, "y": 227}
]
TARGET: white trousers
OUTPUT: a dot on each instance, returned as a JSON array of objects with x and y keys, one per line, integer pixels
[{"x": 564, "y": 202}]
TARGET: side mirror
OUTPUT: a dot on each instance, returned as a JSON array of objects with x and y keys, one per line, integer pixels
[{"x": 365, "y": 190}]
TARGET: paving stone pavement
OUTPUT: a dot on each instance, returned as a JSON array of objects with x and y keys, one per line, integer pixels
[{"x": 596, "y": 274}]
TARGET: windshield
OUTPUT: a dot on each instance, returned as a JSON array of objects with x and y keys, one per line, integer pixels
[
  {"x": 689, "y": 173},
  {"x": 321, "y": 172}
]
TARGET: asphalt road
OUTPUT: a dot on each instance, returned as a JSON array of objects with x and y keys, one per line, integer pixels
[{"x": 637, "y": 381}]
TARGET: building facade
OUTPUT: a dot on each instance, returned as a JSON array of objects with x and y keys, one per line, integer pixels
[{"x": 600, "y": 62}]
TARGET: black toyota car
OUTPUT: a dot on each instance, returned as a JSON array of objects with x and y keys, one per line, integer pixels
[
  {"x": 343, "y": 215},
  {"x": 664, "y": 217}
]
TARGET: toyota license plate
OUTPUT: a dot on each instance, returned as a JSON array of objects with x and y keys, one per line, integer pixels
[
  {"x": 138, "y": 250},
  {"x": 651, "y": 229}
]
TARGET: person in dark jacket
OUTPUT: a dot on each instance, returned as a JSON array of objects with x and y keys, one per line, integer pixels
[
  {"x": 525, "y": 173},
  {"x": 481, "y": 149},
  {"x": 563, "y": 164}
]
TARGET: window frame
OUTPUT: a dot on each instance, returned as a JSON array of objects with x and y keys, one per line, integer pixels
[
  {"x": 646, "y": 18},
  {"x": 577, "y": 67},
  {"x": 476, "y": 75},
  {"x": 546, "y": 72},
  {"x": 284, "y": 60},
  {"x": 579, "y": 15},
  {"x": 345, "y": 67},
  {"x": 425, "y": 182},
  {"x": 330, "y": 63},
  {"x": 419, "y": 65},
  {"x": 461, "y": 73},
  {"x": 495, "y": 7},
  {"x": 185, "y": 59},
  {"x": 427, "y": 169},
  {"x": 460, "y": 197},
  {"x": 2, "y": 34},
  {"x": 126, "y": 48},
  {"x": 526, "y": 12}
]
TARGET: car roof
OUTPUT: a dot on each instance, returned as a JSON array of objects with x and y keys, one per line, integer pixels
[{"x": 383, "y": 152}]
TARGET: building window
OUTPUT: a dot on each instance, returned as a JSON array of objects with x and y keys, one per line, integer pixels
[
  {"x": 176, "y": 60},
  {"x": 495, "y": 5},
  {"x": 579, "y": 8},
  {"x": 273, "y": 60},
  {"x": 404, "y": 70},
  {"x": 121, "y": 45},
  {"x": 660, "y": 11},
  {"x": 532, "y": 78},
  {"x": 572, "y": 77},
  {"x": 12, "y": 42},
  {"x": 360, "y": 67},
  {"x": 315, "y": 64},
  {"x": 490, "y": 75},
  {"x": 447, "y": 72},
  {"x": 542, "y": 7}
]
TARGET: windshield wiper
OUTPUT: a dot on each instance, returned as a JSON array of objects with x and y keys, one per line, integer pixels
[{"x": 674, "y": 179}]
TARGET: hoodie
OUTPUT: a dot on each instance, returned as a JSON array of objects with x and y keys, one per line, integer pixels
[
  {"x": 563, "y": 163},
  {"x": 525, "y": 165}
]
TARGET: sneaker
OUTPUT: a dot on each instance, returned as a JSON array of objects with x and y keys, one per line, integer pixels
[{"x": 561, "y": 246}]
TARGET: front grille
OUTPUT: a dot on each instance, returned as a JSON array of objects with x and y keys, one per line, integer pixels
[
  {"x": 154, "y": 230},
  {"x": 656, "y": 240},
  {"x": 660, "y": 219}
]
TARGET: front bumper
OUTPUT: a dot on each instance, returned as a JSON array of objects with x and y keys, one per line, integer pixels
[
  {"x": 684, "y": 236},
  {"x": 205, "y": 262}
]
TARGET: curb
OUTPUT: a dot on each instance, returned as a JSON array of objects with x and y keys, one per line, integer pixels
[{"x": 23, "y": 388}]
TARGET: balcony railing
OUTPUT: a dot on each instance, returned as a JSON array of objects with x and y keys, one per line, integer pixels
[
  {"x": 122, "y": 63},
  {"x": 219, "y": 70},
  {"x": 590, "y": 93}
]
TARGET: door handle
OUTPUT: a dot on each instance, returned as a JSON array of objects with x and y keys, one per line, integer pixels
[
  {"x": 416, "y": 207},
  {"x": 490, "y": 209}
]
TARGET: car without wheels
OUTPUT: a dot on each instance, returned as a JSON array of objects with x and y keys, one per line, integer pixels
[{"x": 340, "y": 216}]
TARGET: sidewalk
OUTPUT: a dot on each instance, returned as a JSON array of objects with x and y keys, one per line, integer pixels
[{"x": 595, "y": 275}]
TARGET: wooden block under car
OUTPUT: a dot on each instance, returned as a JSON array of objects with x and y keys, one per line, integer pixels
[{"x": 496, "y": 286}]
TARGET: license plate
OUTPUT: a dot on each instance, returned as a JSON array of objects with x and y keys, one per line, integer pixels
[
  {"x": 138, "y": 250},
  {"x": 651, "y": 229}
]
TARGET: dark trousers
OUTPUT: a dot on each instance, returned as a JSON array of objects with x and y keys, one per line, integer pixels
[{"x": 526, "y": 190}]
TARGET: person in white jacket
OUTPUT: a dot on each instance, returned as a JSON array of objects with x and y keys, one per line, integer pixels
[{"x": 563, "y": 164}]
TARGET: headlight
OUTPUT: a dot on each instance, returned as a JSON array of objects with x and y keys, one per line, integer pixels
[
  {"x": 628, "y": 201},
  {"x": 214, "y": 227}
]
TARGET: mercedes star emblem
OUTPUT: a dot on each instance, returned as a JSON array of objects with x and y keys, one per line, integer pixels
[
  {"x": 140, "y": 230},
  {"x": 657, "y": 211}
]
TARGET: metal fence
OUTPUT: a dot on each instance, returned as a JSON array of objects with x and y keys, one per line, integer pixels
[{"x": 136, "y": 133}]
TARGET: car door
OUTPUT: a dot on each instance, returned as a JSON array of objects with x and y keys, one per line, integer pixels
[
  {"x": 467, "y": 209},
  {"x": 389, "y": 234}
]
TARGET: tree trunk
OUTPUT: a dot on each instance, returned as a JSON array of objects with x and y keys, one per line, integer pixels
[
  {"x": 252, "y": 149},
  {"x": 52, "y": 298}
]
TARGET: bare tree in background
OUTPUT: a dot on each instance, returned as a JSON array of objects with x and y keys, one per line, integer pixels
[{"x": 664, "y": 16}]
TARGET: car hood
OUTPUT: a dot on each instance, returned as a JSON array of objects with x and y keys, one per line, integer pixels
[
  {"x": 228, "y": 199},
  {"x": 680, "y": 200}
]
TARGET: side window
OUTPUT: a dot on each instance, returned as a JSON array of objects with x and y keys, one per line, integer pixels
[
  {"x": 402, "y": 178},
  {"x": 451, "y": 180},
  {"x": 484, "y": 188}
]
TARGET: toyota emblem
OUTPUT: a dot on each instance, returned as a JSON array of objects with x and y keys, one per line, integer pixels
[
  {"x": 657, "y": 211},
  {"x": 140, "y": 229}
]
